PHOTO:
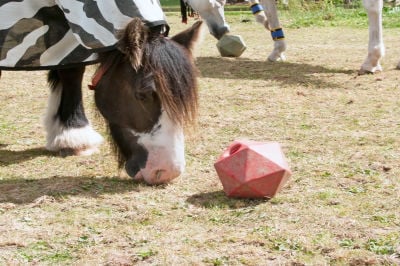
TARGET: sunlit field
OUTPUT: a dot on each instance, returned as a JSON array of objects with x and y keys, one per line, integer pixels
[{"x": 339, "y": 131}]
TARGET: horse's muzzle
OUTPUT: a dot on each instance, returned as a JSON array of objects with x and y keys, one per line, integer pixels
[
  {"x": 218, "y": 32},
  {"x": 159, "y": 174}
]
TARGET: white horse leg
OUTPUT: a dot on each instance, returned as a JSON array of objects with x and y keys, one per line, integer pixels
[
  {"x": 272, "y": 24},
  {"x": 376, "y": 48},
  {"x": 258, "y": 13},
  {"x": 68, "y": 130},
  {"x": 68, "y": 141}
]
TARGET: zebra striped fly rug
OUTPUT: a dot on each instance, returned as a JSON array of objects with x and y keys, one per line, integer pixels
[{"x": 46, "y": 34}]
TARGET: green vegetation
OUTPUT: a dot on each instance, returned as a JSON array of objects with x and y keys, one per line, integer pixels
[
  {"x": 326, "y": 16},
  {"x": 300, "y": 14}
]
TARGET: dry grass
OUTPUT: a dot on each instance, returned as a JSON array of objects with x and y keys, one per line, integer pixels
[{"x": 340, "y": 133}]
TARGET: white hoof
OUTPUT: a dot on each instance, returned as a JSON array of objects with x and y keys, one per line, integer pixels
[
  {"x": 276, "y": 57},
  {"x": 369, "y": 69},
  {"x": 77, "y": 141},
  {"x": 278, "y": 52}
]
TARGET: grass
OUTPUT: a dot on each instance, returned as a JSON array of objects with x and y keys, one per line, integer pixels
[
  {"x": 326, "y": 17},
  {"x": 305, "y": 14},
  {"x": 339, "y": 132}
]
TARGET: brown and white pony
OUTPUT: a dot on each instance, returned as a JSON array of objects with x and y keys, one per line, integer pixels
[
  {"x": 147, "y": 94},
  {"x": 146, "y": 89}
]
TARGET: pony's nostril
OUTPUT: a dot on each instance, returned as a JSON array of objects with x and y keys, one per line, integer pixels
[
  {"x": 131, "y": 168},
  {"x": 158, "y": 174},
  {"x": 161, "y": 176}
]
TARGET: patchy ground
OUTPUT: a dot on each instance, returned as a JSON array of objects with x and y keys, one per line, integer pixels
[{"x": 339, "y": 131}]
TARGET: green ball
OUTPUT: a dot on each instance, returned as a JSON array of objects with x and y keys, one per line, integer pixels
[{"x": 231, "y": 46}]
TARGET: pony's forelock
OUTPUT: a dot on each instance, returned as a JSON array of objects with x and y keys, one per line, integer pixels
[
  {"x": 132, "y": 41},
  {"x": 171, "y": 64},
  {"x": 175, "y": 76}
]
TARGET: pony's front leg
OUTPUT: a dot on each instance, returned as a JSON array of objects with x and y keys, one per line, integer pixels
[
  {"x": 376, "y": 48},
  {"x": 68, "y": 129},
  {"x": 272, "y": 24}
]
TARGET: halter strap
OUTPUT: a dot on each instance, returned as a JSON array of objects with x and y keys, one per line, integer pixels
[{"x": 99, "y": 74}]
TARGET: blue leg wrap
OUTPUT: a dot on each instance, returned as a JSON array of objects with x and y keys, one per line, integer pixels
[
  {"x": 277, "y": 34},
  {"x": 256, "y": 8}
]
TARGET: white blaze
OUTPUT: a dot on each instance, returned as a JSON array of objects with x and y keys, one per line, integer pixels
[{"x": 166, "y": 151}]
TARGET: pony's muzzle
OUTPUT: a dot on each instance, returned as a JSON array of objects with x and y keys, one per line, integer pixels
[
  {"x": 157, "y": 176},
  {"x": 132, "y": 167},
  {"x": 161, "y": 176},
  {"x": 153, "y": 176}
]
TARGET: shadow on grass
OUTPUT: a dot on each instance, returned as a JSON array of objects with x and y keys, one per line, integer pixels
[
  {"x": 9, "y": 157},
  {"x": 282, "y": 72},
  {"x": 23, "y": 191},
  {"x": 218, "y": 199}
]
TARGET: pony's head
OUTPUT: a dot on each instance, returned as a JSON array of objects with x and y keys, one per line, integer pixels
[
  {"x": 146, "y": 95},
  {"x": 212, "y": 12}
]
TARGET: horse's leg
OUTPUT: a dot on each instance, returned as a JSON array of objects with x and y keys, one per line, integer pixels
[
  {"x": 258, "y": 13},
  {"x": 68, "y": 129},
  {"x": 376, "y": 48},
  {"x": 272, "y": 24}
]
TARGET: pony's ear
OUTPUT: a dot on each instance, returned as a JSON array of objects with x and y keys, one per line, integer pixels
[
  {"x": 132, "y": 41},
  {"x": 190, "y": 37}
]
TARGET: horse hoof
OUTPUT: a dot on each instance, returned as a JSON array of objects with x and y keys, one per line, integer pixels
[
  {"x": 364, "y": 72},
  {"x": 87, "y": 151},
  {"x": 78, "y": 152},
  {"x": 278, "y": 59}
]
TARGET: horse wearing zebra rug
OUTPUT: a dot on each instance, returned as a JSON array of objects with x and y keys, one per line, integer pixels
[
  {"x": 266, "y": 13},
  {"x": 145, "y": 84}
]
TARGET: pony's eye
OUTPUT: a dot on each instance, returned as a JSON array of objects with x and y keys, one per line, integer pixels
[
  {"x": 141, "y": 96},
  {"x": 144, "y": 96},
  {"x": 146, "y": 89}
]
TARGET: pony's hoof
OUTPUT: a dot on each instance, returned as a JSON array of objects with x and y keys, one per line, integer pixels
[
  {"x": 78, "y": 152},
  {"x": 87, "y": 151}
]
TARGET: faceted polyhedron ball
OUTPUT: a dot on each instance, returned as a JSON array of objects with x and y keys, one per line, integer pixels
[
  {"x": 231, "y": 45},
  {"x": 249, "y": 169}
]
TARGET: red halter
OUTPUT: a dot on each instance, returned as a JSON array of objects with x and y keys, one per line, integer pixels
[{"x": 99, "y": 74}]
